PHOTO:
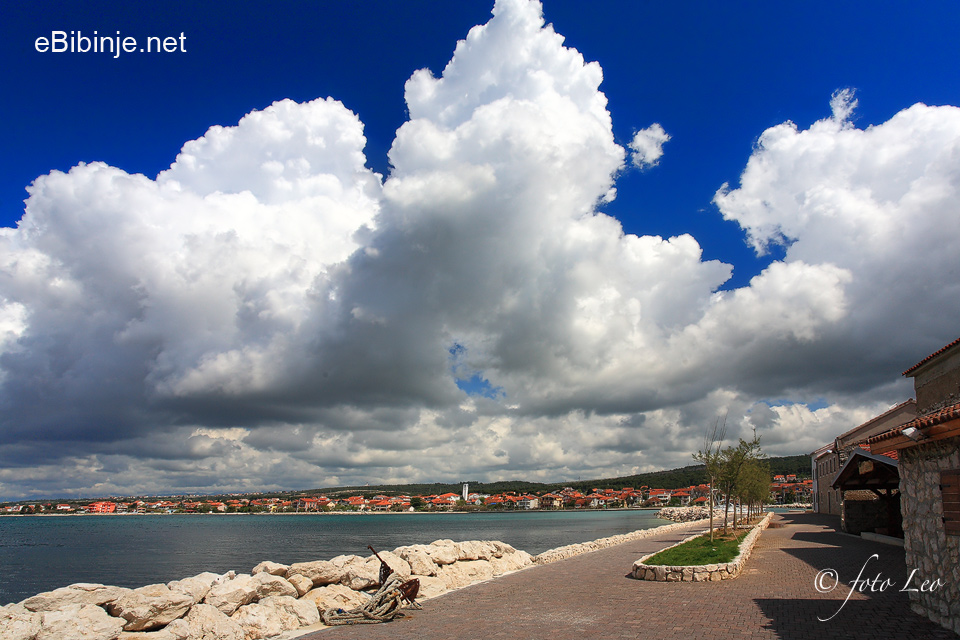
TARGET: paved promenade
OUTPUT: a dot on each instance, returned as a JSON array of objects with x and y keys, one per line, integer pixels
[{"x": 589, "y": 596}]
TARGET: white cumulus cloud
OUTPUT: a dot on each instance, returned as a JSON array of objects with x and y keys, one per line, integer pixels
[
  {"x": 647, "y": 146},
  {"x": 270, "y": 313}
]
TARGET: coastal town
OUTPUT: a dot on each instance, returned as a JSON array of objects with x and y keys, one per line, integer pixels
[{"x": 784, "y": 489}]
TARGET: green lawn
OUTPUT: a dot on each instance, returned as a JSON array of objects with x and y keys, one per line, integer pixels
[{"x": 699, "y": 551}]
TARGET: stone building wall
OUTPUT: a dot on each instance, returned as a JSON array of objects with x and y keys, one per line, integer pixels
[
  {"x": 937, "y": 383},
  {"x": 935, "y": 555}
]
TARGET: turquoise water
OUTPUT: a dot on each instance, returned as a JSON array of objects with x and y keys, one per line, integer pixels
[{"x": 45, "y": 552}]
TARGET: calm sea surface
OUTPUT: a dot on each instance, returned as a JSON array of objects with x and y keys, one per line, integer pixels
[{"x": 41, "y": 553}]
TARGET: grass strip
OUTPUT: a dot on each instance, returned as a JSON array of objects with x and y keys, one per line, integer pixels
[{"x": 698, "y": 551}]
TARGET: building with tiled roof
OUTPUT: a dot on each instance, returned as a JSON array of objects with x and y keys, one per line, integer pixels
[
  {"x": 928, "y": 452},
  {"x": 827, "y": 461}
]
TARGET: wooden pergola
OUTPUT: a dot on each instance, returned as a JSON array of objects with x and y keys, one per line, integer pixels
[{"x": 865, "y": 471}]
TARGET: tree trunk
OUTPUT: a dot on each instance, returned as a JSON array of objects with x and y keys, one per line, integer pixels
[
  {"x": 711, "y": 510},
  {"x": 726, "y": 510}
]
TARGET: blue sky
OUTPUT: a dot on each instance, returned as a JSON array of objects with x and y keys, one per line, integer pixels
[
  {"x": 714, "y": 74},
  {"x": 439, "y": 309}
]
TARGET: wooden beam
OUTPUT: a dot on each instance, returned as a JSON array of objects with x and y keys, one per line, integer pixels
[{"x": 931, "y": 434}]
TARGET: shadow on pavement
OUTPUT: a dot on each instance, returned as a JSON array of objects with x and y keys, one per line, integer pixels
[
  {"x": 856, "y": 591},
  {"x": 858, "y": 620}
]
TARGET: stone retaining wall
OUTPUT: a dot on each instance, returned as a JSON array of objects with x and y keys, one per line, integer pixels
[{"x": 700, "y": 573}]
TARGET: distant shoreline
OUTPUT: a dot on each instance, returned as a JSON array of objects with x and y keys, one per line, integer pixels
[{"x": 324, "y": 513}]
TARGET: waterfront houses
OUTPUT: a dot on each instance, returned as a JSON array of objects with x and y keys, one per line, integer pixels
[{"x": 783, "y": 489}]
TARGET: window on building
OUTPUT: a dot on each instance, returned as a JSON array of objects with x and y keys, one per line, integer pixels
[{"x": 950, "y": 492}]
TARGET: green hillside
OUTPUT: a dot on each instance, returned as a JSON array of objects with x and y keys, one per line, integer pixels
[{"x": 667, "y": 479}]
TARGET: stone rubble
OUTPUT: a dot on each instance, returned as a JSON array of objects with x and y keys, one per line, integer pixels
[{"x": 271, "y": 600}]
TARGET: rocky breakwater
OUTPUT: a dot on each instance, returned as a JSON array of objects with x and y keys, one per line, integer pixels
[
  {"x": 688, "y": 514},
  {"x": 271, "y": 600}
]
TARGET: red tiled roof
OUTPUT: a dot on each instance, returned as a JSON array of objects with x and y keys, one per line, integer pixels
[
  {"x": 937, "y": 417},
  {"x": 886, "y": 413},
  {"x": 932, "y": 356}
]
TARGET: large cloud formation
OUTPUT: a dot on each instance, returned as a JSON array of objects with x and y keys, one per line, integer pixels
[{"x": 269, "y": 313}]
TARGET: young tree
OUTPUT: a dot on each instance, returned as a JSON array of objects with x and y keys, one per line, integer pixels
[
  {"x": 733, "y": 462},
  {"x": 710, "y": 456},
  {"x": 754, "y": 485}
]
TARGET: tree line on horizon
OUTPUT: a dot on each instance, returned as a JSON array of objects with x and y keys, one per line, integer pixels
[{"x": 679, "y": 478}]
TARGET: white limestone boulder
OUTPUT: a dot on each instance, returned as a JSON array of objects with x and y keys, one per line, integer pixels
[
  {"x": 79, "y": 622},
  {"x": 453, "y": 576},
  {"x": 501, "y": 549},
  {"x": 80, "y": 593},
  {"x": 364, "y": 573},
  {"x": 431, "y": 587},
  {"x": 258, "y": 621},
  {"x": 196, "y": 586},
  {"x": 233, "y": 594},
  {"x": 305, "y": 611},
  {"x": 176, "y": 630},
  {"x": 205, "y": 622},
  {"x": 273, "y": 585},
  {"x": 150, "y": 607},
  {"x": 421, "y": 564},
  {"x": 472, "y": 550},
  {"x": 400, "y": 566},
  {"x": 461, "y": 574},
  {"x": 274, "y": 615},
  {"x": 361, "y": 574},
  {"x": 476, "y": 570},
  {"x": 19, "y": 623},
  {"x": 302, "y": 584},
  {"x": 320, "y": 572},
  {"x": 344, "y": 560},
  {"x": 273, "y": 568},
  {"x": 334, "y": 596},
  {"x": 511, "y": 562},
  {"x": 443, "y": 551}
]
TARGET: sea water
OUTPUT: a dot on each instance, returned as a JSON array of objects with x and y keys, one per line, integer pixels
[{"x": 40, "y": 553}]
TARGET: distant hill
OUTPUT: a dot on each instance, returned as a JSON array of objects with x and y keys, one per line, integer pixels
[{"x": 668, "y": 479}]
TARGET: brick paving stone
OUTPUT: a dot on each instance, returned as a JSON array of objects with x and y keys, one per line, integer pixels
[{"x": 590, "y": 596}]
